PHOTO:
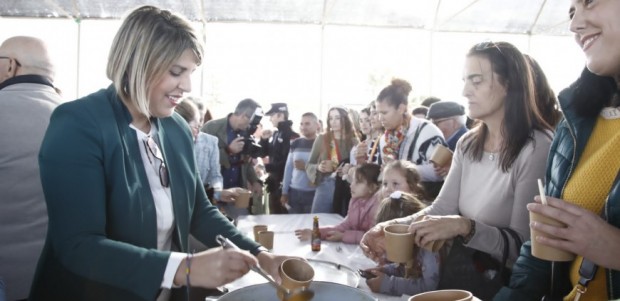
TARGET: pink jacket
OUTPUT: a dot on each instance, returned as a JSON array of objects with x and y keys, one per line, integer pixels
[{"x": 360, "y": 218}]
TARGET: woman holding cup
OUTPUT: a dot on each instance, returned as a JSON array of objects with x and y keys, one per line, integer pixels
[
  {"x": 492, "y": 178},
  {"x": 583, "y": 187},
  {"x": 329, "y": 153}
]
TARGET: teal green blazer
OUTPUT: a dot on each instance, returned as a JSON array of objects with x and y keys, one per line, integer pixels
[{"x": 102, "y": 237}]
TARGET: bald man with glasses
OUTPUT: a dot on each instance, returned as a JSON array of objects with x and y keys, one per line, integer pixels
[{"x": 27, "y": 99}]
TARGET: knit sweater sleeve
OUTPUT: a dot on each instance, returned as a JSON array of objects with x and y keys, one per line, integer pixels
[
  {"x": 394, "y": 284},
  {"x": 288, "y": 170}
]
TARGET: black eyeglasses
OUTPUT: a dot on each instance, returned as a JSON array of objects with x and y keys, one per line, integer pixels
[
  {"x": 10, "y": 58},
  {"x": 153, "y": 150}
]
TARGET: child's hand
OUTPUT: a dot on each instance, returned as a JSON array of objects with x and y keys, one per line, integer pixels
[
  {"x": 334, "y": 235},
  {"x": 303, "y": 234},
  {"x": 375, "y": 283}
]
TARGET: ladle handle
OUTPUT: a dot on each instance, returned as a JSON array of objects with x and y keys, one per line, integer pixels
[{"x": 227, "y": 244}]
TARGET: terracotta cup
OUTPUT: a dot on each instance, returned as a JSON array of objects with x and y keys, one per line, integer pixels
[
  {"x": 243, "y": 200},
  {"x": 547, "y": 252},
  {"x": 399, "y": 243},
  {"x": 258, "y": 228},
  {"x": 441, "y": 156},
  {"x": 443, "y": 295},
  {"x": 295, "y": 273},
  {"x": 265, "y": 239}
]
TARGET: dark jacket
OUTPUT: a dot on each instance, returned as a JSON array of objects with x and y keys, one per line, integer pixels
[
  {"x": 102, "y": 236},
  {"x": 277, "y": 149},
  {"x": 531, "y": 277},
  {"x": 217, "y": 128}
]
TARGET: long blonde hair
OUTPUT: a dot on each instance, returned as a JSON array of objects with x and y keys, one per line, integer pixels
[{"x": 147, "y": 44}]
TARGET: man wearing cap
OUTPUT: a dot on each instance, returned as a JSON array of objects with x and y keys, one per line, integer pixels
[
  {"x": 450, "y": 118},
  {"x": 277, "y": 149}
]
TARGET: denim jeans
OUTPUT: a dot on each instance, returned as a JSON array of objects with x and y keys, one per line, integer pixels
[
  {"x": 300, "y": 200},
  {"x": 324, "y": 196}
]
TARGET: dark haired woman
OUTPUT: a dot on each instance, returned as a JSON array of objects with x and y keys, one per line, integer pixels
[
  {"x": 407, "y": 137},
  {"x": 546, "y": 100},
  {"x": 330, "y": 152},
  {"x": 495, "y": 166}
]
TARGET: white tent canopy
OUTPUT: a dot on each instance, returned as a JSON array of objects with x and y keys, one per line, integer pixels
[
  {"x": 309, "y": 53},
  {"x": 547, "y": 17}
]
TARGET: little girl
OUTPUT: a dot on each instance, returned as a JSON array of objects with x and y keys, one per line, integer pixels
[
  {"x": 362, "y": 208},
  {"x": 390, "y": 278},
  {"x": 402, "y": 175}
]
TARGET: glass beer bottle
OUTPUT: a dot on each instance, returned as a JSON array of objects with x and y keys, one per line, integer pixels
[{"x": 316, "y": 235}]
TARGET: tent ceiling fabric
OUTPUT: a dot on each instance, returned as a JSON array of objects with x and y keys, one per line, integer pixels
[{"x": 548, "y": 17}]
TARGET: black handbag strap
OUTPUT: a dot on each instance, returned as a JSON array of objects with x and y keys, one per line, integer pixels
[{"x": 518, "y": 242}]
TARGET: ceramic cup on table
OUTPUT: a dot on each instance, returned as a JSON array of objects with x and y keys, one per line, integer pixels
[
  {"x": 265, "y": 239},
  {"x": 443, "y": 295},
  {"x": 295, "y": 273},
  {"x": 547, "y": 252},
  {"x": 399, "y": 243},
  {"x": 258, "y": 228}
]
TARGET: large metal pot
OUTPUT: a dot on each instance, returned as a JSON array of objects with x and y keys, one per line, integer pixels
[{"x": 323, "y": 291}]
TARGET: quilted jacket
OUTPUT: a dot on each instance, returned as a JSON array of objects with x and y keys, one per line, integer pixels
[{"x": 531, "y": 277}]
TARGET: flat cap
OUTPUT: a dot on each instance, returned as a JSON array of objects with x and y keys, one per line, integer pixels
[{"x": 444, "y": 109}]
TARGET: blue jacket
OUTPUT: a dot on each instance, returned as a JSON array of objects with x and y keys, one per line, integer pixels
[
  {"x": 102, "y": 237},
  {"x": 531, "y": 277}
]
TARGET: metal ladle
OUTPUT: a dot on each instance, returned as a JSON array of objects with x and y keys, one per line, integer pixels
[{"x": 298, "y": 294}]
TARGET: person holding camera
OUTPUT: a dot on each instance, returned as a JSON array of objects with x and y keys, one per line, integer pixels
[
  {"x": 236, "y": 152},
  {"x": 277, "y": 149}
]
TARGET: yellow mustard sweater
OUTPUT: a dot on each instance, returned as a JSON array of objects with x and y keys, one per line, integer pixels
[{"x": 588, "y": 187}]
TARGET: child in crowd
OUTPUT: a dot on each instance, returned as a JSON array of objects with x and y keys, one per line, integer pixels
[
  {"x": 402, "y": 175},
  {"x": 423, "y": 275},
  {"x": 362, "y": 208}
]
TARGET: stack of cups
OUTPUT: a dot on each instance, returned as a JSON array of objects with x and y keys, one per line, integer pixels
[{"x": 263, "y": 236}]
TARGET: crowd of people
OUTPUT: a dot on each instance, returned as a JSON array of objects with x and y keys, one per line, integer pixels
[{"x": 108, "y": 197}]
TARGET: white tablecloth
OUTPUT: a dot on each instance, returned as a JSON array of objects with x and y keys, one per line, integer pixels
[{"x": 286, "y": 243}]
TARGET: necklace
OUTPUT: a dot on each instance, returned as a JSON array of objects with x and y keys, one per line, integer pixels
[{"x": 494, "y": 153}]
